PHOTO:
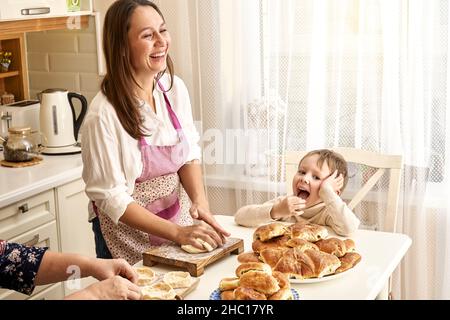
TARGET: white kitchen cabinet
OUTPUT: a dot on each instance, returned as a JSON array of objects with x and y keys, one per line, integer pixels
[
  {"x": 27, "y": 214},
  {"x": 75, "y": 231}
]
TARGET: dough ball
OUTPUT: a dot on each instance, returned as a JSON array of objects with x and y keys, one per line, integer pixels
[{"x": 191, "y": 249}]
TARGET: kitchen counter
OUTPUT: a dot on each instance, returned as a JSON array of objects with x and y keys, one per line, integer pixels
[{"x": 20, "y": 183}]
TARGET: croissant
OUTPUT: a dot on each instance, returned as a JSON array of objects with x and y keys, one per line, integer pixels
[{"x": 307, "y": 264}]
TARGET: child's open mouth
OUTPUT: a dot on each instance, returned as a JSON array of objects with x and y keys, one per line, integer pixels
[{"x": 302, "y": 194}]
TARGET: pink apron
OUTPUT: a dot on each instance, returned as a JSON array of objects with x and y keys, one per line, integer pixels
[{"x": 158, "y": 189}]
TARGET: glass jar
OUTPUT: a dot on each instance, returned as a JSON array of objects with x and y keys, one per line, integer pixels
[{"x": 18, "y": 147}]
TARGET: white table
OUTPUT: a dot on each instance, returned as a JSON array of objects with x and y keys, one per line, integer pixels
[{"x": 381, "y": 253}]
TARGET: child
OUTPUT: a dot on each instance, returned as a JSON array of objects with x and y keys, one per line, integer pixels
[{"x": 318, "y": 184}]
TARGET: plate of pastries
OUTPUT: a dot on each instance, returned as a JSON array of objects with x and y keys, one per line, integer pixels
[
  {"x": 302, "y": 251},
  {"x": 255, "y": 281},
  {"x": 174, "y": 285}
]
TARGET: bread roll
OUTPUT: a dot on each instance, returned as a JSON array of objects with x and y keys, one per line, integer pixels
[
  {"x": 227, "y": 295},
  {"x": 253, "y": 266},
  {"x": 228, "y": 284},
  {"x": 269, "y": 231},
  {"x": 242, "y": 293},
  {"x": 309, "y": 232},
  {"x": 191, "y": 249},
  {"x": 178, "y": 279},
  {"x": 259, "y": 281},
  {"x": 283, "y": 280},
  {"x": 248, "y": 257},
  {"x": 158, "y": 291},
  {"x": 332, "y": 246},
  {"x": 282, "y": 294},
  {"x": 350, "y": 245},
  {"x": 301, "y": 244},
  {"x": 145, "y": 276},
  {"x": 278, "y": 242},
  {"x": 348, "y": 261}
]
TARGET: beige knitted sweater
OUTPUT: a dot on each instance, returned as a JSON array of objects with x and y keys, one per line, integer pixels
[{"x": 332, "y": 212}]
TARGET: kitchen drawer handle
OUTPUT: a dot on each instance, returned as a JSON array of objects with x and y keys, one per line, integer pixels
[
  {"x": 24, "y": 208},
  {"x": 32, "y": 242},
  {"x": 33, "y": 11}
]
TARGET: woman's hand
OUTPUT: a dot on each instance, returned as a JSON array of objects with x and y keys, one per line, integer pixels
[
  {"x": 107, "y": 268},
  {"x": 115, "y": 288},
  {"x": 189, "y": 234},
  {"x": 289, "y": 206},
  {"x": 201, "y": 212}
]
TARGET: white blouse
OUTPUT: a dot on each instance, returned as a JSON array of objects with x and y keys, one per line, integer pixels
[{"x": 112, "y": 158}]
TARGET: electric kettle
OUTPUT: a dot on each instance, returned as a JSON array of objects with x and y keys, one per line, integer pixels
[{"x": 58, "y": 122}]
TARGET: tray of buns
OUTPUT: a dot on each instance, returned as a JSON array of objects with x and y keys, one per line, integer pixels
[
  {"x": 255, "y": 281},
  {"x": 303, "y": 251},
  {"x": 174, "y": 285},
  {"x": 194, "y": 261}
]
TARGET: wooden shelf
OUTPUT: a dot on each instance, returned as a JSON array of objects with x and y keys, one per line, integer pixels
[
  {"x": 75, "y": 20},
  {"x": 8, "y": 74}
]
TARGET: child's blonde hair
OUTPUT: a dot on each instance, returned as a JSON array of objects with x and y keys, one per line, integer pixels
[{"x": 334, "y": 160}]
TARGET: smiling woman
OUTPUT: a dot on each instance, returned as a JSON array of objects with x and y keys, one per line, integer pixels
[{"x": 140, "y": 145}]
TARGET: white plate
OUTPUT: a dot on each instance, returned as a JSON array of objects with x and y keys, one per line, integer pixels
[
  {"x": 325, "y": 278},
  {"x": 215, "y": 295}
]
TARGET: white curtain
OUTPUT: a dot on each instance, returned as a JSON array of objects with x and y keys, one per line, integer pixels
[{"x": 267, "y": 76}]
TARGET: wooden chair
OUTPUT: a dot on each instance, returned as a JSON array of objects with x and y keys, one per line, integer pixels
[{"x": 380, "y": 162}]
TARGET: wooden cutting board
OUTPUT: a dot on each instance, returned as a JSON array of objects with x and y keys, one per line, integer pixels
[{"x": 173, "y": 255}]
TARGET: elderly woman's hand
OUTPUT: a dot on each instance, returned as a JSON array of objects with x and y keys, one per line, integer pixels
[
  {"x": 106, "y": 268},
  {"x": 115, "y": 288}
]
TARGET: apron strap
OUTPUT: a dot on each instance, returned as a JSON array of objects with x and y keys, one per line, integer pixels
[{"x": 173, "y": 116}]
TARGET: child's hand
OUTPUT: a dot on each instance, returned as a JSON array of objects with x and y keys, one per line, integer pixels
[
  {"x": 334, "y": 181},
  {"x": 289, "y": 206}
]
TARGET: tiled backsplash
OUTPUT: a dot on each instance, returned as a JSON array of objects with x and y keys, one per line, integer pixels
[{"x": 63, "y": 59}]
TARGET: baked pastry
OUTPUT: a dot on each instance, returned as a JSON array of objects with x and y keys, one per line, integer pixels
[
  {"x": 269, "y": 231},
  {"x": 348, "y": 261},
  {"x": 227, "y": 295},
  {"x": 309, "y": 232},
  {"x": 145, "y": 276},
  {"x": 324, "y": 263},
  {"x": 301, "y": 244},
  {"x": 350, "y": 245},
  {"x": 283, "y": 280},
  {"x": 248, "y": 257},
  {"x": 271, "y": 256},
  {"x": 253, "y": 266},
  {"x": 158, "y": 291},
  {"x": 259, "y": 281},
  {"x": 332, "y": 246},
  {"x": 243, "y": 293},
  {"x": 228, "y": 284},
  {"x": 282, "y": 294},
  {"x": 296, "y": 264},
  {"x": 178, "y": 279},
  {"x": 307, "y": 264},
  {"x": 259, "y": 245},
  {"x": 191, "y": 249}
]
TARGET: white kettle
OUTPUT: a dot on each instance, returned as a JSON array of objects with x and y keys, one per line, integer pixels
[{"x": 58, "y": 122}]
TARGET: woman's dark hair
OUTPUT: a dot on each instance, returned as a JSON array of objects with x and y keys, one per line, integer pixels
[{"x": 119, "y": 82}]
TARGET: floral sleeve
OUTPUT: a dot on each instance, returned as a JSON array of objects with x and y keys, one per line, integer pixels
[{"x": 19, "y": 265}]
